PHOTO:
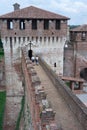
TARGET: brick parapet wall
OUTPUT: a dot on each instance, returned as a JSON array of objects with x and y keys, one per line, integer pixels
[
  {"x": 27, "y": 86},
  {"x": 35, "y": 93},
  {"x": 78, "y": 108}
]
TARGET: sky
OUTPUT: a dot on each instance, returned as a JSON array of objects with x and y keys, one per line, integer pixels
[{"x": 76, "y": 10}]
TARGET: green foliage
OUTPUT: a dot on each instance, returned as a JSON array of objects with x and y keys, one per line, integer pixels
[
  {"x": 68, "y": 84},
  {"x": 20, "y": 113},
  {"x": 2, "y": 107},
  {"x": 73, "y": 26},
  {"x": 1, "y": 53},
  {"x": 1, "y": 44}
]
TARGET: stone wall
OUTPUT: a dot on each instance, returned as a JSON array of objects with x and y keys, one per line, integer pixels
[
  {"x": 78, "y": 108},
  {"x": 68, "y": 62}
]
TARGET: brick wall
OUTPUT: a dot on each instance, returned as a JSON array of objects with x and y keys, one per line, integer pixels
[
  {"x": 68, "y": 66},
  {"x": 29, "y": 32},
  {"x": 81, "y": 63},
  {"x": 80, "y": 57},
  {"x": 80, "y": 48},
  {"x": 75, "y": 59}
]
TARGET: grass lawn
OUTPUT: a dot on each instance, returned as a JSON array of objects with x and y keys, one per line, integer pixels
[
  {"x": 2, "y": 107},
  {"x": 1, "y": 53}
]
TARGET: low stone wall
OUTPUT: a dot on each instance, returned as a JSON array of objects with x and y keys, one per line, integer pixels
[{"x": 78, "y": 108}]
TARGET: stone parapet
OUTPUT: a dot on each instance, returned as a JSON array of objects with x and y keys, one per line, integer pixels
[{"x": 78, "y": 108}]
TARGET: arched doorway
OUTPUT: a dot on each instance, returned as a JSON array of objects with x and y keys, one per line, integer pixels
[{"x": 83, "y": 73}]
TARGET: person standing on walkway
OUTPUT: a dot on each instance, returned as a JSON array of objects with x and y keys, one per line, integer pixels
[
  {"x": 36, "y": 60},
  {"x": 33, "y": 59}
]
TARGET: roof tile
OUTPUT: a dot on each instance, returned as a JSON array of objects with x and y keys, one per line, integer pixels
[
  {"x": 82, "y": 28},
  {"x": 33, "y": 12}
]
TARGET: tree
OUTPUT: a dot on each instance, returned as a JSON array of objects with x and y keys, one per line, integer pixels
[
  {"x": 1, "y": 44},
  {"x": 1, "y": 48}
]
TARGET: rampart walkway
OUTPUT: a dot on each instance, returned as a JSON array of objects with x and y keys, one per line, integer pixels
[{"x": 64, "y": 116}]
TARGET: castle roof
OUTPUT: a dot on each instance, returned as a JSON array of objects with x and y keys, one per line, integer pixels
[
  {"x": 32, "y": 12},
  {"x": 82, "y": 28}
]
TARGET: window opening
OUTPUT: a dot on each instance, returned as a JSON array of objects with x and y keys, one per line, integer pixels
[
  {"x": 22, "y": 24},
  {"x": 57, "y": 25},
  {"x": 83, "y": 36},
  {"x": 34, "y": 24},
  {"x": 46, "y": 24},
  {"x": 9, "y": 24}
]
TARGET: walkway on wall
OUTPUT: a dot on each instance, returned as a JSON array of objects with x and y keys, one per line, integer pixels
[{"x": 64, "y": 116}]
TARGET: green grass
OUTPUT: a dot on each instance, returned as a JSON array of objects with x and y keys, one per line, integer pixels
[
  {"x": 20, "y": 113},
  {"x": 2, "y": 107}
]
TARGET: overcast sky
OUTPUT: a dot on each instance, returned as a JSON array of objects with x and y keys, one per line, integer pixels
[{"x": 76, "y": 10}]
